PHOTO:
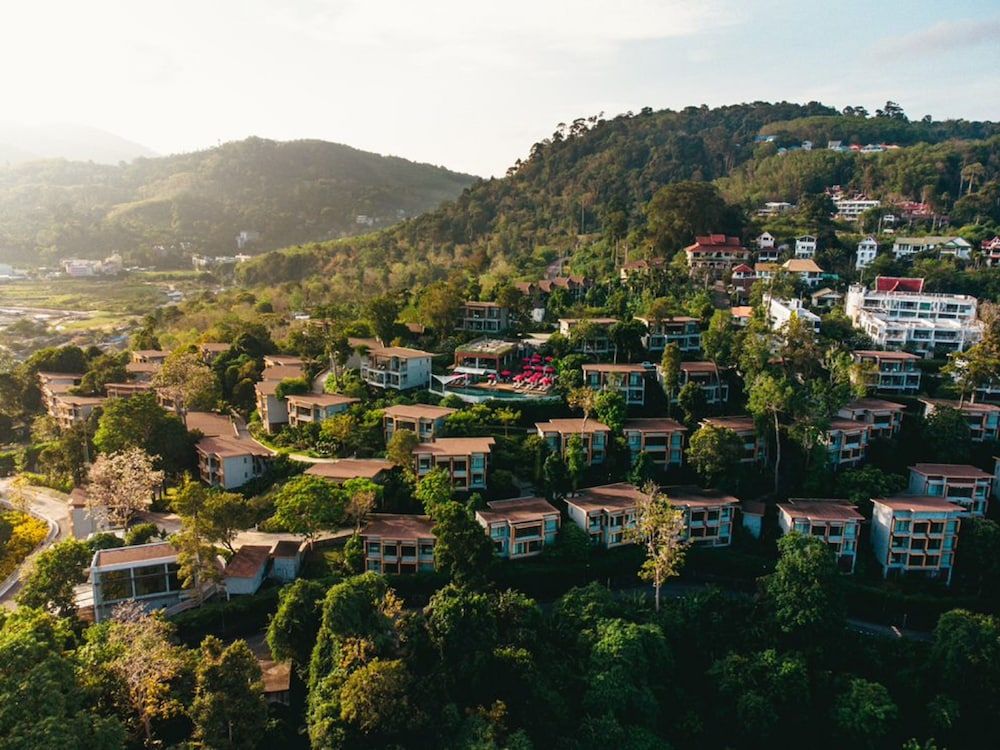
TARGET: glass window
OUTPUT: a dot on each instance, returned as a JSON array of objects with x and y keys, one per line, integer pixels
[
  {"x": 115, "y": 585},
  {"x": 151, "y": 579}
]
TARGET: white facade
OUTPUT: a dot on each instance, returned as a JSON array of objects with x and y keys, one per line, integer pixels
[
  {"x": 851, "y": 209},
  {"x": 915, "y": 535},
  {"x": 396, "y": 368},
  {"x": 780, "y": 311},
  {"x": 765, "y": 241},
  {"x": 805, "y": 246},
  {"x": 867, "y": 250},
  {"x": 905, "y": 247}
]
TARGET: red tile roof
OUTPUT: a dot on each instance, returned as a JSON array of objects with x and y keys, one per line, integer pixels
[
  {"x": 321, "y": 399},
  {"x": 398, "y": 526},
  {"x": 281, "y": 372},
  {"x": 820, "y": 510},
  {"x": 653, "y": 424},
  {"x": 134, "y": 554},
  {"x": 898, "y": 284},
  {"x": 572, "y": 426},
  {"x": 248, "y": 561},
  {"x": 517, "y": 510},
  {"x": 736, "y": 424},
  {"x": 351, "y": 468},
  {"x": 417, "y": 411},
  {"x": 610, "y": 497},
  {"x": 918, "y": 503},
  {"x": 226, "y": 447},
  {"x": 881, "y": 354},
  {"x": 951, "y": 471},
  {"x": 456, "y": 446}
]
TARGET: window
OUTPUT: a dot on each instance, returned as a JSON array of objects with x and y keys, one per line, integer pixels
[
  {"x": 390, "y": 550},
  {"x": 150, "y": 580},
  {"x": 426, "y": 549},
  {"x": 374, "y": 548},
  {"x": 115, "y": 585},
  {"x": 408, "y": 550}
]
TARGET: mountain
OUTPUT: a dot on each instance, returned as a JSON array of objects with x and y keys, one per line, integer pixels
[
  {"x": 585, "y": 190},
  {"x": 288, "y": 192},
  {"x": 21, "y": 143}
]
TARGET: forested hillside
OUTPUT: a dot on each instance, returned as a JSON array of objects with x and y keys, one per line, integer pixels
[
  {"x": 288, "y": 192},
  {"x": 588, "y": 188}
]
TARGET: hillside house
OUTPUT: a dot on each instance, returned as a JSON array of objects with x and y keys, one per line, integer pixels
[
  {"x": 915, "y": 535},
  {"x": 593, "y": 434},
  {"x": 884, "y": 418},
  {"x": 961, "y": 484},
  {"x": 629, "y": 380},
  {"x": 708, "y": 514},
  {"x": 398, "y": 543},
  {"x": 396, "y": 368},
  {"x": 465, "y": 459},
  {"x": 660, "y": 438},
  {"x": 521, "y": 527},
  {"x": 837, "y": 524}
]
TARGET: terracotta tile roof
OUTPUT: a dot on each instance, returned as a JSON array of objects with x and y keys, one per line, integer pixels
[
  {"x": 741, "y": 311},
  {"x": 801, "y": 265},
  {"x": 398, "y": 526},
  {"x": 689, "y": 496},
  {"x": 820, "y": 510},
  {"x": 752, "y": 508},
  {"x": 351, "y": 468},
  {"x": 281, "y": 372},
  {"x": 967, "y": 407},
  {"x": 898, "y": 284},
  {"x": 597, "y": 321},
  {"x": 417, "y": 411},
  {"x": 698, "y": 367},
  {"x": 227, "y": 447},
  {"x": 715, "y": 242},
  {"x": 517, "y": 510},
  {"x": 879, "y": 354},
  {"x": 267, "y": 387},
  {"x": 210, "y": 424},
  {"x": 401, "y": 352},
  {"x": 736, "y": 424},
  {"x": 248, "y": 561},
  {"x": 78, "y": 497},
  {"x": 456, "y": 446},
  {"x": 572, "y": 426},
  {"x": 653, "y": 424},
  {"x": 610, "y": 497},
  {"x": 847, "y": 425},
  {"x": 951, "y": 471},
  {"x": 608, "y": 367},
  {"x": 143, "y": 367},
  {"x": 64, "y": 398},
  {"x": 918, "y": 503},
  {"x": 321, "y": 399},
  {"x": 214, "y": 346},
  {"x": 134, "y": 554}
]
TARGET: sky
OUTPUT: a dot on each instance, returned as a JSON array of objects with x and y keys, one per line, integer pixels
[{"x": 472, "y": 84}]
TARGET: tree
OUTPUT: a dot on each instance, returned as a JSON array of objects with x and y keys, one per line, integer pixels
[
  {"x": 44, "y": 702},
  {"x": 715, "y": 452},
  {"x": 229, "y": 710},
  {"x": 670, "y": 371},
  {"x": 140, "y": 422},
  {"x": 864, "y": 713},
  {"x": 187, "y": 381},
  {"x": 49, "y": 581},
  {"x": 120, "y": 485},
  {"x": 610, "y": 409},
  {"x": 400, "y": 448},
  {"x": 383, "y": 311},
  {"x": 583, "y": 398},
  {"x": 978, "y": 567},
  {"x": 557, "y": 478},
  {"x": 968, "y": 643},
  {"x": 362, "y": 496},
  {"x": 718, "y": 342},
  {"x": 681, "y": 210},
  {"x": 576, "y": 460},
  {"x": 433, "y": 489},
  {"x": 461, "y": 548},
  {"x": 292, "y": 631},
  {"x": 692, "y": 401},
  {"x": 375, "y": 698},
  {"x": 946, "y": 436},
  {"x": 626, "y": 337},
  {"x": 805, "y": 592},
  {"x": 659, "y": 528},
  {"x": 770, "y": 397},
  {"x": 643, "y": 469},
  {"x": 307, "y": 505},
  {"x": 972, "y": 369}
]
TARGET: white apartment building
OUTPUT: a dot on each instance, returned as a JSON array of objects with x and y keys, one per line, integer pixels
[
  {"x": 850, "y": 209},
  {"x": 866, "y": 253},
  {"x": 961, "y": 484},
  {"x": 836, "y": 524},
  {"x": 397, "y": 368},
  {"x": 805, "y": 246},
  {"x": 918, "y": 320},
  {"x": 915, "y": 534},
  {"x": 905, "y": 247},
  {"x": 780, "y": 311}
]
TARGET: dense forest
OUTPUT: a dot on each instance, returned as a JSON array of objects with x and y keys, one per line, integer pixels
[{"x": 288, "y": 192}]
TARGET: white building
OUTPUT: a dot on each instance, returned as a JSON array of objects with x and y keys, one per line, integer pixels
[
  {"x": 246, "y": 569},
  {"x": 780, "y": 311},
  {"x": 915, "y": 534},
  {"x": 396, "y": 368},
  {"x": 850, "y": 209},
  {"x": 805, "y": 246},
  {"x": 905, "y": 247},
  {"x": 145, "y": 573},
  {"x": 837, "y": 524},
  {"x": 867, "y": 250},
  {"x": 917, "y": 320}
]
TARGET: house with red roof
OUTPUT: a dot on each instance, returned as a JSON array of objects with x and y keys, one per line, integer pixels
[
  {"x": 961, "y": 484},
  {"x": 713, "y": 256},
  {"x": 833, "y": 522},
  {"x": 915, "y": 535},
  {"x": 521, "y": 527}
]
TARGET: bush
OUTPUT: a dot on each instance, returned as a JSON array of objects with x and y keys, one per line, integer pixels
[
  {"x": 8, "y": 463},
  {"x": 26, "y": 533},
  {"x": 61, "y": 484},
  {"x": 143, "y": 533}
]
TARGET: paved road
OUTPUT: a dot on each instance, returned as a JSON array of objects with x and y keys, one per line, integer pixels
[{"x": 47, "y": 504}]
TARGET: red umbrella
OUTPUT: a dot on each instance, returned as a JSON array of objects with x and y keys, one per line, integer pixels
[
  {"x": 518, "y": 378},
  {"x": 548, "y": 359},
  {"x": 536, "y": 357},
  {"x": 550, "y": 369},
  {"x": 505, "y": 374}
]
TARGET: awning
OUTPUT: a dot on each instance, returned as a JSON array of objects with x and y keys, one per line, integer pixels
[{"x": 474, "y": 370}]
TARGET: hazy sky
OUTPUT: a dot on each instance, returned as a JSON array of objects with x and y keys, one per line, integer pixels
[{"x": 471, "y": 84}]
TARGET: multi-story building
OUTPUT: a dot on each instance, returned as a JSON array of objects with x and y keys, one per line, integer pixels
[
  {"x": 304, "y": 408},
  {"x": 423, "y": 420},
  {"x": 466, "y": 459},
  {"x": 605, "y": 512},
  {"x": 229, "y": 462},
  {"x": 957, "y": 483},
  {"x": 486, "y": 355},
  {"x": 713, "y": 256},
  {"x": 598, "y": 339},
  {"x": 915, "y": 535},
  {"x": 835, "y": 523},
  {"x": 142, "y": 372},
  {"x": 905, "y": 247},
  {"x": 521, "y": 527},
  {"x": 996, "y": 477},
  {"x": 741, "y": 282},
  {"x": 884, "y": 418},
  {"x": 866, "y": 252},
  {"x": 483, "y": 317},
  {"x": 629, "y": 380},
  {"x": 991, "y": 252},
  {"x": 917, "y": 321},
  {"x": 805, "y": 246},
  {"x": 889, "y": 372},
  {"x": 143, "y": 573},
  {"x": 397, "y": 368},
  {"x": 825, "y": 298},
  {"x": 593, "y": 434},
  {"x": 767, "y": 248},
  {"x": 708, "y": 514},
  {"x": 73, "y": 410},
  {"x": 754, "y": 445},
  {"x": 846, "y": 442},
  {"x": 781, "y": 311},
  {"x": 704, "y": 374},
  {"x": 345, "y": 469},
  {"x": 395, "y": 543},
  {"x": 273, "y": 411},
  {"x": 125, "y": 390},
  {"x": 660, "y": 438},
  {"x": 850, "y": 209},
  {"x": 983, "y": 419},
  {"x": 805, "y": 270},
  {"x": 52, "y": 384},
  {"x": 680, "y": 329},
  {"x": 149, "y": 356}
]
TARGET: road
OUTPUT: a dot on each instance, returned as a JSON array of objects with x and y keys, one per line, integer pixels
[{"x": 44, "y": 503}]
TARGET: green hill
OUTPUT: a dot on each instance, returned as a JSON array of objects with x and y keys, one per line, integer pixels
[{"x": 289, "y": 192}]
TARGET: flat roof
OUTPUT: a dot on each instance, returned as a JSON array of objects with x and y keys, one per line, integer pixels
[
  {"x": 884, "y": 354},
  {"x": 952, "y": 471},
  {"x": 456, "y": 446},
  {"x": 653, "y": 424},
  {"x": 135, "y": 554},
  {"x": 608, "y": 367},
  {"x": 63, "y": 398},
  {"x": 572, "y": 426},
  {"x": 699, "y": 366},
  {"x": 401, "y": 352},
  {"x": 286, "y": 548},
  {"x": 266, "y": 387},
  {"x": 417, "y": 411},
  {"x": 248, "y": 561},
  {"x": 874, "y": 404},
  {"x": 612, "y": 497},
  {"x": 517, "y": 510},
  {"x": 918, "y": 503},
  {"x": 399, "y": 526},
  {"x": 209, "y": 423},
  {"x": 736, "y": 424},
  {"x": 281, "y": 372},
  {"x": 689, "y": 496},
  {"x": 350, "y": 468},
  {"x": 230, "y": 447},
  {"x": 496, "y": 347},
  {"x": 321, "y": 399},
  {"x": 848, "y": 425},
  {"x": 598, "y": 321},
  {"x": 820, "y": 510},
  {"x": 965, "y": 407}
]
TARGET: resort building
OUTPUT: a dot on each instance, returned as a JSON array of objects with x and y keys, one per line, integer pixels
[
  {"x": 484, "y": 356},
  {"x": 593, "y": 434},
  {"x": 805, "y": 246},
  {"x": 142, "y": 372},
  {"x": 149, "y": 357},
  {"x": 396, "y": 368},
  {"x": 884, "y": 418},
  {"x": 781, "y": 311},
  {"x": 230, "y": 463},
  {"x": 660, "y": 438},
  {"x": 144, "y": 573},
  {"x": 680, "y": 329},
  {"x": 629, "y": 380},
  {"x": 915, "y": 534},
  {"x": 905, "y": 247},
  {"x": 706, "y": 375},
  {"x": 397, "y": 543},
  {"x": 315, "y": 407},
  {"x": 273, "y": 411},
  {"x": 604, "y": 512},
  {"x": 890, "y": 372},
  {"x": 983, "y": 419},
  {"x": 521, "y": 527},
  {"x": 961, "y": 484},
  {"x": 754, "y": 445},
  {"x": 713, "y": 256},
  {"x": 73, "y": 410},
  {"x": 125, "y": 390},
  {"x": 466, "y": 459},
  {"x": 597, "y": 341},
  {"x": 483, "y": 317},
  {"x": 846, "y": 442},
  {"x": 708, "y": 514},
  {"x": 866, "y": 252},
  {"x": 344, "y": 469},
  {"x": 425, "y": 421},
  {"x": 52, "y": 384},
  {"x": 835, "y": 523}
]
